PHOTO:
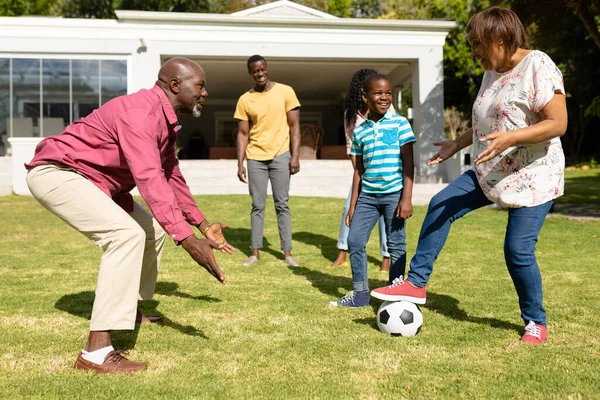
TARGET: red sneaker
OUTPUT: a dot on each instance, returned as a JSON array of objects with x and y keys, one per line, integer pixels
[
  {"x": 535, "y": 333},
  {"x": 400, "y": 290}
]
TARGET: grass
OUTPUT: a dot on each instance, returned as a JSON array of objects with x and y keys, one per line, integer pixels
[
  {"x": 582, "y": 186},
  {"x": 269, "y": 333}
]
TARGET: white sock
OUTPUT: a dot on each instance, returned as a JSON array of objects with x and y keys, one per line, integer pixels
[{"x": 98, "y": 356}]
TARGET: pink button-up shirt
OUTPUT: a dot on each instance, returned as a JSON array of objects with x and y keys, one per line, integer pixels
[{"x": 128, "y": 142}]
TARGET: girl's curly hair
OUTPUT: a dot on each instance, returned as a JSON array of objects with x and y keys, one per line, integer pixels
[{"x": 354, "y": 103}]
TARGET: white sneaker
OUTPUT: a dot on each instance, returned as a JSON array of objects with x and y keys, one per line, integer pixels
[
  {"x": 291, "y": 261},
  {"x": 250, "y": 261}
]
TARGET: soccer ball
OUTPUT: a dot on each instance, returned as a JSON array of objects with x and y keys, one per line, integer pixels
[{"x": 399, "y": 318}]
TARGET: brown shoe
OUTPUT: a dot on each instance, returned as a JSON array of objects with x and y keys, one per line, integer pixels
[
  {"x": 114, "y": 363},
  {"x": 141, "y": 319}
]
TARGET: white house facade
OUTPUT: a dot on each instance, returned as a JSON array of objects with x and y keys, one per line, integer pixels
[{"x": 55, "y": 70}]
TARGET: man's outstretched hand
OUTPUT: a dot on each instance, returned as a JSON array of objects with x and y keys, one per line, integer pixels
[
  {"x": 215, "y": 233},
  {"x": 201, "y": 250}
]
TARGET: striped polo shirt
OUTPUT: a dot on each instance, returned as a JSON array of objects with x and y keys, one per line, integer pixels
[{"x": 379, "y": 144}]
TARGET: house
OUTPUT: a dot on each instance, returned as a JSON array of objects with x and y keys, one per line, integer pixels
[{"x": 56, "y": 70}]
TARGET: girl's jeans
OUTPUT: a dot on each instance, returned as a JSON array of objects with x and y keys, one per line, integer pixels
[
  {"x": 342, "y": 243},
  {"x": 369, "y": 208}
]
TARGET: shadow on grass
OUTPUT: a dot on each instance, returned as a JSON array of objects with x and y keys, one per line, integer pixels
[
  {"x": 330, "y": 284},
  {"x": 449, "y": 307},
  {"x": 327, "y": 245},
  {"x": 240, "y": 239},
  {"x": 439, "y": 303},
  {"x": 582, "y": 189},
  {"x": 80, "y": 304},
  {"x": 172, "y": 289}
]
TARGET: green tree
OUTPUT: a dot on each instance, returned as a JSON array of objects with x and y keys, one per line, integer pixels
[
  {"x": 461, "y": 71},
  {"x": 560, "y": 32},
  {"x": 229, "y": 6},
  {"x": 462, "y": 74},
  {"x": 192, "y": 6},
  {"x": 367, "y": 8},
  {"x": 340, "y": 8},
  {"x": 588, "y": 12},
  {"x": 103, "y": 9},
  {"x": 14, "y": 8}
]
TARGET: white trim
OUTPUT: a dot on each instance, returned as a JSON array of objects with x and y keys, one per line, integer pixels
[
  {"x": 263, "y": 9},
  {"x": 40, "y": 126},
  {"x": 174, "y": 18},
  {"x": 67, "y": 56},
  {"x": 130, "y": 89},
  {"x": 10, "y": 94},
  {"x": 70, "y": 91}
]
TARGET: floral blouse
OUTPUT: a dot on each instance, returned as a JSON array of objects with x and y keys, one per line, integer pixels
[{"x": 521, "y": 176}]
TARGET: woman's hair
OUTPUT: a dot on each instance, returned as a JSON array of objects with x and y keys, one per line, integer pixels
[
  {"x": 498, "y": 24},
  {"x": 354, "y": 103},
  {"x": 254, "y": 58}
]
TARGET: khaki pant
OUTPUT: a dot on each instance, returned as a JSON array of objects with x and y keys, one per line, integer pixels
[{"x": 132, "y": 242}]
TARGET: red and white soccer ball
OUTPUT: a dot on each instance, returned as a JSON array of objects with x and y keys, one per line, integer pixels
[{"x": 399, "y": 318}]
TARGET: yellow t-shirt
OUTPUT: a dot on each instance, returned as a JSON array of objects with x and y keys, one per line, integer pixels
[{"x": 266, "y": 112}]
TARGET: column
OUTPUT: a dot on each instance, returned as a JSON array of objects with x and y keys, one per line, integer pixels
[{"x": 428, "y": 112}]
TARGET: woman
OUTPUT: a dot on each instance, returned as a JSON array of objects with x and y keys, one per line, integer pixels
[
  {"x": 354, "y": 114},
  {"x": 518, "y": 117}
]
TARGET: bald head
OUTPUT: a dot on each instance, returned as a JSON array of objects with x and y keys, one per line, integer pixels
[
  {"x": 179, "y": 68},
  {"x": 183, "y": 82}
]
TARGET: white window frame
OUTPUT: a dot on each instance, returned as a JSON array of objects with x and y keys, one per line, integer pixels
[
  {"x": 312, "y": 117},
  {"x": 220, "y": 117},
  {"x": 45, "y": 56}
]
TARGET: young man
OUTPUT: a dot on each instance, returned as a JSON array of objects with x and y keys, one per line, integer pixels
[{"x": 268, "y": 114}]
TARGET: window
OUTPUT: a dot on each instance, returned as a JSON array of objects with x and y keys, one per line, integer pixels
[
  {"x": 311, "y": 118},
  {"x": 226, "y": 125},
  {"x": 40, "y": 96},
  {"x": 4, "y": 103}
]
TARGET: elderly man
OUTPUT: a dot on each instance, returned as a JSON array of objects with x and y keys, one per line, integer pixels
[{"x": 84, "y": 176}]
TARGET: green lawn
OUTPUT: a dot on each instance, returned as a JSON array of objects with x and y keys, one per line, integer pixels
[
  {"x": 582, "y": 187},
  {"x": 269, "y": 333}
]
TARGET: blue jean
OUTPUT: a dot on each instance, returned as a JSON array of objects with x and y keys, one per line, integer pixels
[
  {"x": 342, "y": 243},
  {"x": 522, "y": 231},
  {"x": 369, "y": 208}
]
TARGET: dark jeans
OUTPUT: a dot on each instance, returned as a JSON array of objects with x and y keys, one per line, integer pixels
[
  {"x": 522, "y": 231},
  {"x": 368, "y": 210}
]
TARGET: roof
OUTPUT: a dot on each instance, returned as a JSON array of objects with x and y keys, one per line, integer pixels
[
  {"x": 284, "y": 9},
  {"x": 283, "y": 13}
]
